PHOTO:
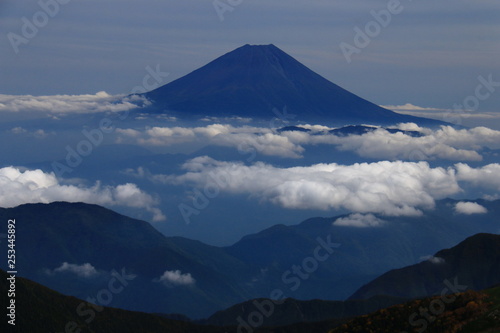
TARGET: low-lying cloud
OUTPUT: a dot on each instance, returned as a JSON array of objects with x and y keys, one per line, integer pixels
[
  {"x": 19, "y": 186},
  {"x": 59, "y": 104},
  {"x": 358, "y": 220},
  {"x": 262, "y": 140},
  {"x": 469, "y": 208},
  {"x": 389, "y": 188},
  {"x": 85, "y": 270},
  {"x": 176, "y": 278},
  {"x": 445, "y": 143}
]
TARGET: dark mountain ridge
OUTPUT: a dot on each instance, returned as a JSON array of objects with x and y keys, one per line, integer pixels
[
  {"x": 201, "y": 278},
  {"x": 472, "y": 264}
]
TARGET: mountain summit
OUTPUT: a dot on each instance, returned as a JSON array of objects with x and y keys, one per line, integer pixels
[{"x": 253, "y": 79}]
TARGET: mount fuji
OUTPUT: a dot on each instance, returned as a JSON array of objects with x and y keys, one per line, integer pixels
[{"x": 254, "y": 79}]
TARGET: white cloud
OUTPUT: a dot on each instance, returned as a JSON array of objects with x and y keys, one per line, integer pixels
[
  {"x": 486, "y": 177},
  {"x": 469, "y": 208},
  {"x": 86, "y": 270},
  {"x": 440, "y": 113},
  {"x": 382, "y": 144},
  {"x": 100, "y": 102},
  {"x": 38, "y": 134},
  {"x": 445, "y": 143},
  {"x": 432, "y": 259},
  {"x": 19, "y": 186},
  {"x": 176, "y": 278},
  {"x": 244, "y": 138},
  {"x": 359, "y": 221},
  {"x": 389, "y": 188},
  {"x": 411, "y": 107},
  {"x": 18, "y": 130}
]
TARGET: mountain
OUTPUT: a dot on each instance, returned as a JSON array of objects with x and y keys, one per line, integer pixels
[
  {"x": 472, "y": 264},
  {"x": 466, "y": 312},
  {"x": 362, "y": 253},
  {"x": 291, "y": 311},
  {"x": 49, "y": 235},
  {"x": 77, "y": 248},
  {"x": 42, "y": 310},
  {"x": 254, "y": 79}
]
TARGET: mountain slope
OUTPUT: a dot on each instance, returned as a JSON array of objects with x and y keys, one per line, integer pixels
[
  {"x": 40, "y": 309},
  {"x": 290, "y": 311},
  {"x": 469, "y": 311},
  {"x": 362, "y": 254},
  {"x": 253, "y": 79},
  {"x": 472, "y": 264},
  {"x": 74, "y": 248},
  {"x": 44, "y": 310},
  {"x": 77, "y": 234}
]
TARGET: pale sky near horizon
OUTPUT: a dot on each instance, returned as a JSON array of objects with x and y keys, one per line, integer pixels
[{"x": 430, "y": 54}]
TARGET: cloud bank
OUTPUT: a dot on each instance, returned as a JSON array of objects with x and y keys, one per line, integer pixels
[
  {"x": 262, "y": 140},
  {"x": 60, "y": 104},
  {"x": 19, "y": 186},
  {"x": 389, "y": 188},
  {"x": 444, "y": 143}
]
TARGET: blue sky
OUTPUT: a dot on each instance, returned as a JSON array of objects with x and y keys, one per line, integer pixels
[{"x": 430, "y": 54}]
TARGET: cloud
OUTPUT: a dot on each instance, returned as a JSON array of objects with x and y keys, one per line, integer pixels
[
  {"x": 359, "y": 221},
  {"x": 100, "y": 102},
  {"x": 411, "y": 107},
  {"x": 176, "y": 278},
  {"x": 86, "y": 270},
  {"x": 394, "y": 188},
  {"x": 245, "y": 138},
  {"x": 485, "y": 177},
  {"x": 444, "y": 143},
  {"x": 440, "y": 113},
  {"x": 388, "y": 188},
  {"x": 38, "y": 134},
  {"x": 20, "y": 186},
  {"x": 433, "y": 260},
  {"x": 469, "y": 208}
]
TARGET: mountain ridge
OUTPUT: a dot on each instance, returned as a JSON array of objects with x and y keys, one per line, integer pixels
[{"x": 473, "y": 263}]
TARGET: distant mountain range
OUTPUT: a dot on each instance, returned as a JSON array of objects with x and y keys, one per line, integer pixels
[
  {"x": 44, "y": 310},
  {"x": 253, "y": 80},
  {"x": 472, "y": 264},
  {"x": 178, "y": 275}
]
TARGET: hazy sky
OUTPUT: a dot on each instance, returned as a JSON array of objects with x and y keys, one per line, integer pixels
[{"x": 430, "y": 54}]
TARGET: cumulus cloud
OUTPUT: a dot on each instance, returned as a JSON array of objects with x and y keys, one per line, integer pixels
[
  {"x": 359, "y": 221},
  {"x": 176, "y": 278},
  {"x": 389, "y": 188},
  {"x": 18, "y": 186},
  {"x": 100, "y": 102},
  {"x": 380, "y": 143},
  {"x": 445, "y": 143},
  {"x": 394, "y": 188},
  {"x": 469, "y": 208},
  {"x": 484, "y": 177},
  {"x": 433, "y": 260},
  {"x": 244, "y": 138},
  {"x": 86, "y": 270}
]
